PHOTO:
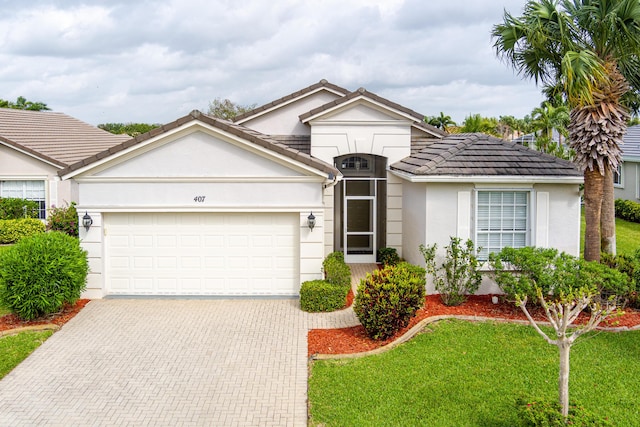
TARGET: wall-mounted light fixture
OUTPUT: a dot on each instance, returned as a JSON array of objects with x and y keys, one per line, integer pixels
[
  {"x": 87, "y": 221},
  {"x": 311, "y": 221}
]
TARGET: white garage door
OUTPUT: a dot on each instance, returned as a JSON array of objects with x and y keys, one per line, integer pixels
[{"x": 202, "y": 253}]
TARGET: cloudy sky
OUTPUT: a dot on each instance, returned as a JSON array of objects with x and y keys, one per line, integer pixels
[{"x": 154, "y": 61}]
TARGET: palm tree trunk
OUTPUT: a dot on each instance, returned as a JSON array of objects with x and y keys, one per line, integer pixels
[
  {"x": 608, "y": 215},
  {"x": 593, "y": 195}
]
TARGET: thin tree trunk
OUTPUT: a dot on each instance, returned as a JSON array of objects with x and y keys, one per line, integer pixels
[
  {"x": 593, "y": 195},
  {"x": 563, "y": 379},
  {"x": 608, "y": 215}
]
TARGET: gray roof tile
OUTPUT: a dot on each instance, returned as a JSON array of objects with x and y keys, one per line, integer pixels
[
  {"x": 481, "y": 155},
  {"x": 631, "y": 145}
]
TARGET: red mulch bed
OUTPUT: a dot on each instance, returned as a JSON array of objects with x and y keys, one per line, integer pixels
[
  {"x": 355, "y": 340},
  {"x": 11, "y": 321}
]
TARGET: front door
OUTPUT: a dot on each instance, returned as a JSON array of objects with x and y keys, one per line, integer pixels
[
  {"x": 359, "y": 224},
  {"x": 361, "y": 207}
]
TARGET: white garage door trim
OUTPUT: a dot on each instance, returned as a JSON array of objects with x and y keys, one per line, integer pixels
[{"x": 227, "y": 254}]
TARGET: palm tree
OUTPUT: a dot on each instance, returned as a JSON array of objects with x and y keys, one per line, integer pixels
[
  {"x": 441, "y": 122},
  {"x": 546, "y": 119},
  {"x": 476, "y": 123},
  {"x": 591, "y": 50}
]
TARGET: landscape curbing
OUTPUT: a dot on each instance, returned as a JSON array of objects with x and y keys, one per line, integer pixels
[
  {"x": 32, "y": 328},
  {"x": 424, "y": 322}
]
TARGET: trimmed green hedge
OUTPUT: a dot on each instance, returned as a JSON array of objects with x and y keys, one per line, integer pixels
[
  {"x": 320, "y": 295},
  {"x": 14, "y": 208},
  {"x": 13, "y": 230},
  {"x": 628, "y": 210},
  {"x": 335, "y": 269}
]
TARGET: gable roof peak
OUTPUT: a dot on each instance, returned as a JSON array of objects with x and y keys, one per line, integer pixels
[{"x": 322, "y": 84}]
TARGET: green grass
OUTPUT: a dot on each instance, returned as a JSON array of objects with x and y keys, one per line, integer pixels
[
  {"x": 469, "y": 374},
  {"x": 15, "y": 348},
  {"x": 627, "y": 236}
]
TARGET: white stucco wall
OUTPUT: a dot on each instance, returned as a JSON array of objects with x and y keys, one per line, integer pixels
[
  {"x": 285, "y": 120},
  {"x": 449, "y": 211},
  {"x": 15, "y": 165}
]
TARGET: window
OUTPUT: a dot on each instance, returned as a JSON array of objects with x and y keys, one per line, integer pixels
[
  {"x": 502, "y": 219},
  {"x": 617, "y": 176},
  {"x": 30, "y": 190},
  {"x": 355, "y": 163}
]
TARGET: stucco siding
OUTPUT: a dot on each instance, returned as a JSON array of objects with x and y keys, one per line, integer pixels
[
  {"x": 414, "y": 221},
  {"x": 389, "y": 140},
  {"x": 395, "y": 224},
  {"x": 285, "y": 120},
  {"x": 198, "y": 154},
  {"x": 629, "y": 188}
]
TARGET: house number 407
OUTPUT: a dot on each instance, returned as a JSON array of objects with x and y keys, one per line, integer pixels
[{"x": 199, "y": 199}]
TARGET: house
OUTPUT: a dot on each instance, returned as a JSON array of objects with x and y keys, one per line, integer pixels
[
  {"x": 626, "y": 182},
  {"x": 203, "y": 206},
  {"x": 36, "y": 145}
]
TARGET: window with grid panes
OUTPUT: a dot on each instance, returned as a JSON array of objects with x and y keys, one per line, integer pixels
[
  {"x": 30, "y": 190},
  {"x": 502, "y": 219}
]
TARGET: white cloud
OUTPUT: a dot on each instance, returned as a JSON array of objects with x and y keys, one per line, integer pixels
[{"x": 154, "y": 61}]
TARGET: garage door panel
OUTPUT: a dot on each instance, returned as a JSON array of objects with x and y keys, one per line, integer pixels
[{"x": 202, "y": 254}]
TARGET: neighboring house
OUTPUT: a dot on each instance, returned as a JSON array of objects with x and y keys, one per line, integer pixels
[
  {"x": 36, "y": 145},
  {"x": 203, "y": 206},
  {"x": 626, "y": 181}
]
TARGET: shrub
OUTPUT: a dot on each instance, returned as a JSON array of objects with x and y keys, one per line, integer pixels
[
  {"x": 320, "y": 295},
  {"x": 387, "y": 299},
  {"x": 522, "y": 272},
  {"x": 458, "y": 276},
  {"x": 64, "y": 219},
  {"x": 630, "y": 266},
  {"x": 13, "y": 230},
  {"x": 41, "y": 273},
  {"x": 546, "y": 413},
  {"x": 336, "y": 270},
  {"x": 388, "y": 256},
  {"x": 14, "y": 208},
  {"x": 628, "y": 210}
]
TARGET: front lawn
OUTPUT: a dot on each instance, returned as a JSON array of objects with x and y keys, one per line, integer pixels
[
  {"x": 15, "y": 348},
  {"x": 469, "y": 374},
  {"x": 627, "y": 236}
]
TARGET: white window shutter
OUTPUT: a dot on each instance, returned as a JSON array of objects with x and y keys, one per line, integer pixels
[
  {"x": 542, "y": 219},
  {"x": 464, "y": 215}
]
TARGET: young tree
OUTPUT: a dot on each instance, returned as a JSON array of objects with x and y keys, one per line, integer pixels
[
  {"x": 226, "y": 109},
  {"x": 564, "y": 286},
  {"x": 590, "y": 49}
]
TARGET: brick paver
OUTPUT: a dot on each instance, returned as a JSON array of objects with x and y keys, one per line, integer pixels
[{"x": 170, "y": 362}]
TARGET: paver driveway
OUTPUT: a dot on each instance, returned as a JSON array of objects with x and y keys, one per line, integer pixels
[{"x": 170, "y": 362}]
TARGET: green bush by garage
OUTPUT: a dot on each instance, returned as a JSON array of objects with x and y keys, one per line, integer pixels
[
  {"x": 42, "y": 273},
  {"x": 331, "y": 293}
]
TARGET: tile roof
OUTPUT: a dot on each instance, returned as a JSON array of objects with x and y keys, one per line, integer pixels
[
  {"x": 321, "y": 84},
  {"x": 54, "y": 137},
  {"x": 297, "y": 142},
  {"x": 362, "y": 92},
  {"x": 250, "y": 135},
  {"x": 481, "y": 155},
  {"x": 631, "y": 145}
]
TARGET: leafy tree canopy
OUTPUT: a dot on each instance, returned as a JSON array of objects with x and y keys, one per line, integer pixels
[
  {"x": 131, "y": 129},
  {"x": 227, "y": 109},
  {"x": 22, "y": 104}
]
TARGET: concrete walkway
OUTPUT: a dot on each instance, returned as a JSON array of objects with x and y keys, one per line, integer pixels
[{"x": 166, "y": 362}]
